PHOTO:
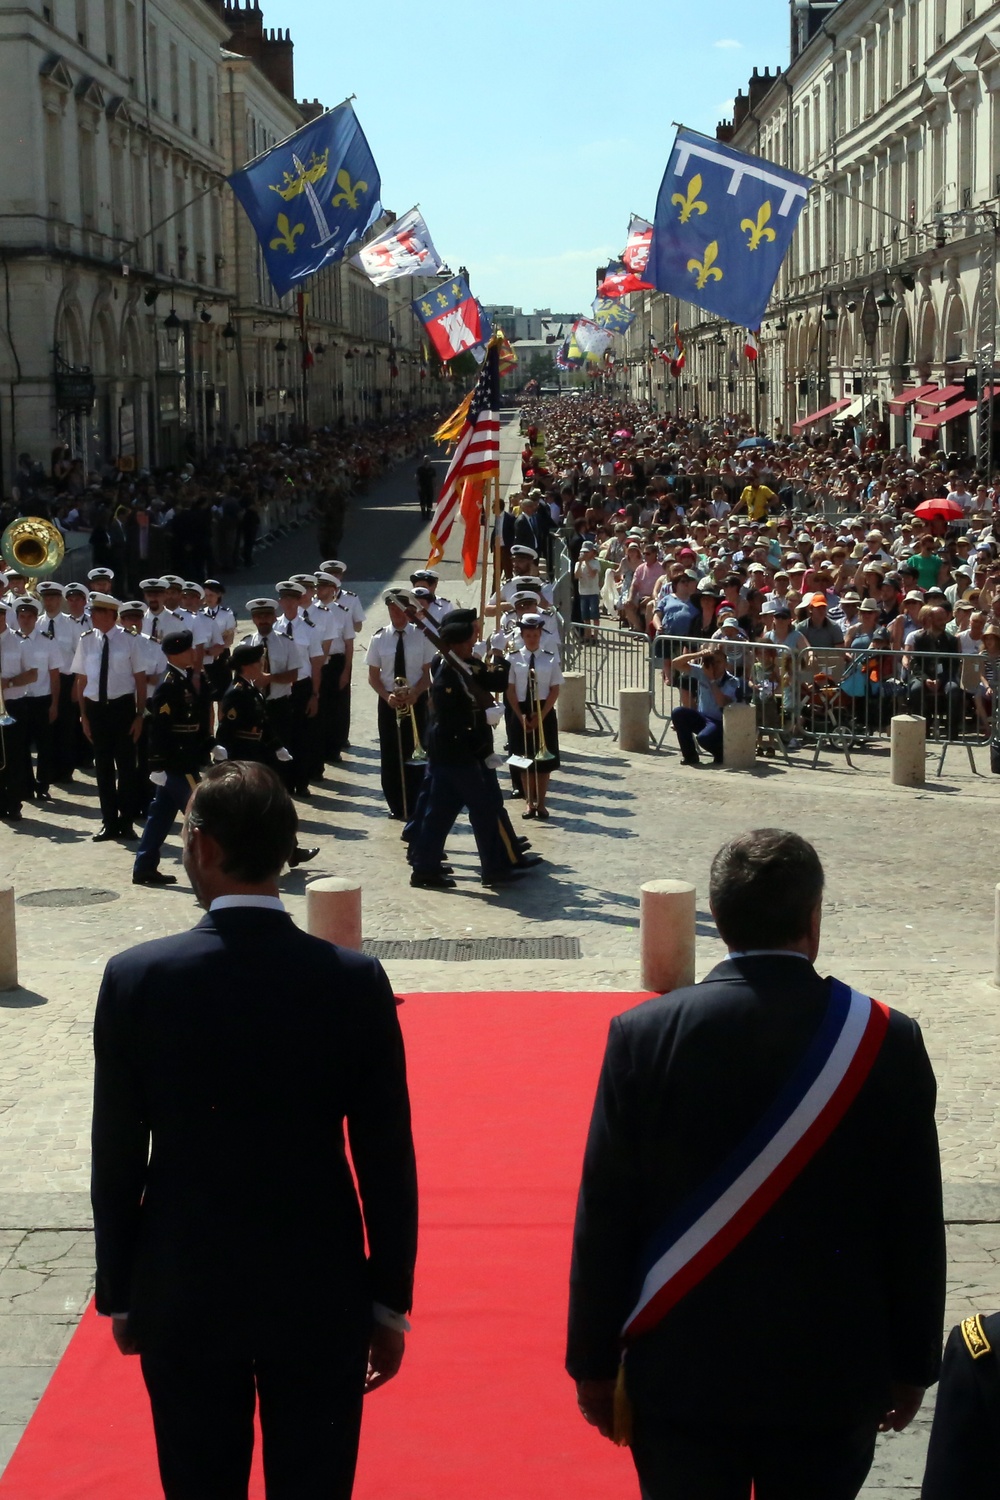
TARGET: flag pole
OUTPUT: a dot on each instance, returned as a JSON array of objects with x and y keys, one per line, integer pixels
[
  {"x": 482, "y": 581},
  {"x": 497, "y": 548},
  {"x": 285, "y": 139}
]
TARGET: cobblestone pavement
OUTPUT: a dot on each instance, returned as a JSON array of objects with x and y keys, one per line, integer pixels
[{"x": 909, "y": 917}]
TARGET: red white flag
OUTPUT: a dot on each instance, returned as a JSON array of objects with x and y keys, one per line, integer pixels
[
  {"x": 750, "y": 348},
  {"x": 636, "y": 252}
]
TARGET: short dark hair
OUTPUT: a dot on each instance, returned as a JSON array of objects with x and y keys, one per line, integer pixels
[
  {"x": 244, "y": 806},
  {"x": 764, "y": 887}
]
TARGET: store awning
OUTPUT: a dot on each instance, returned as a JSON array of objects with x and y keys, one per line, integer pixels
[
  {"x": 928, "y": 426},
  {"x": 826, "y": 411},
  {"x": 942, "y": 396},
  {"x": 898, "y": 404},
  {"x": 853, "y": 410}
]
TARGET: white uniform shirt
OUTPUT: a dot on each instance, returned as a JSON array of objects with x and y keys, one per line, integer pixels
[
  {"x": 224, "y": 617},
  {"x": 153, "y": 659},
  {"x": 437, "y": 609},
  {"x": 39, "y": 652},
  {"x": 11, "y": 658},
  {"x": 508, "y": 638},
  {"x": 547, "y": 673},
  {"x": 349, "y": 599},
  {"x": 282, "y": 656},
  {"x": 206, "y": 632},
  {"x": 305, "y": 639},
  {"x": 334, "y": 623},
  {"x": 125, "y": 658},
  {"x": 417, "y": 650},
  {"x": 162, "y": 623},
  {"x": 64, "y": 633}
]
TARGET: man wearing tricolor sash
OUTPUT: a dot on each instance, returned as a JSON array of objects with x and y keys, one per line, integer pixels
[{"x": 758, "y": 1270}]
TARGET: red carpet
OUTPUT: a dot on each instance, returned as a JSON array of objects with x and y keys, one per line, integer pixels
[{"x": 502, "y": 1087}]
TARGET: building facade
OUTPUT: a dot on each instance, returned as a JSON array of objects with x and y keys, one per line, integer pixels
[
  {"x": 137, "y": 324},
  {"x": 893, "y": 108}
]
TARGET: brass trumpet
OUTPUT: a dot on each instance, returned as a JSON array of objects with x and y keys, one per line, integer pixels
[
  {"x": 544, "y": 753},
  {"x": 419, "y": 753}
]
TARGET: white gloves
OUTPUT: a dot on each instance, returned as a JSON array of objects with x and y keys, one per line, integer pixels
[
  {"x": 158, "y": 778},
  {"x": 283, "y": 755},
  {"x": 495, "y": 714},
  {"x": 220, "y": 753}
]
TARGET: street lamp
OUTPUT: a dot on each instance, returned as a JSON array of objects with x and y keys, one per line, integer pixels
[
  {"x": 229, "y": 335},
  {"x": 885, "y": 305},
  {"x": 173, "y": 325},
  {"x": 830, "y": 313},
  {"x": 281, "y": 347}
]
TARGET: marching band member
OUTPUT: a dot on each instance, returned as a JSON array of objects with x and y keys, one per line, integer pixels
[
  {"x": 532, "y": 728},
  {"x": 399, "y": 671}
]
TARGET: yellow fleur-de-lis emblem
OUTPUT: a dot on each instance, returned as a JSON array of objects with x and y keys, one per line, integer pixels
[
  {"x": 350, "y": 191},
  {"x": 705, "y": 268},
  {"x": 691, "y": 203},
  {"x": 756, "y": 229},
  {"x": 287, "y": 234},
  {"x": 426, "y": 309}
]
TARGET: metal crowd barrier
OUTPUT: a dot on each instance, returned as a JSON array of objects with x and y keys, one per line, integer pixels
[
  {"x": 835, "y": 698},
  {"x": 611, "y": 659}
]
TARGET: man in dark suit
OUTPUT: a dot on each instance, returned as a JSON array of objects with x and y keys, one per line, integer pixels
[
  {"x": 534, "y": 524},
  {"x": 814, "y": 1325},
  {"x": 230, "y": 1238}
]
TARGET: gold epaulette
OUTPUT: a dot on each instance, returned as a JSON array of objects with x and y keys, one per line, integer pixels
[{"x": 975, "y": 1339}]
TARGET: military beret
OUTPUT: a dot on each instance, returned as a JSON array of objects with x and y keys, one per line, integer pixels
[
  {"x": 174, "y": 645},
  {"x": 458, "y": 625},
  {"x": 245, "y": 655}
]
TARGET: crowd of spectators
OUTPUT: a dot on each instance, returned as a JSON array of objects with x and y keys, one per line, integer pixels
[
  {"x": 806, "y": 562},
  {"x": 205, "y": 516}
]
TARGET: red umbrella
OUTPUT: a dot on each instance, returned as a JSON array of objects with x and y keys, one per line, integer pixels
[{"x": 947, "y": 509}]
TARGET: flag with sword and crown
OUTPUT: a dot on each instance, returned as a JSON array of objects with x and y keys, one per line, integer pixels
[{"x": 310, "y": 197}]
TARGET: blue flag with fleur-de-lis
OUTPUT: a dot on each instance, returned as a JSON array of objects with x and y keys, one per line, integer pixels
[
  {"x": 311, "y": 196},
  {"x": 724, "y": 221}
]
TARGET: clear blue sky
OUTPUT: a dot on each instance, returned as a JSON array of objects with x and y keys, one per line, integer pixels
[{"x": 528, "y": 132}]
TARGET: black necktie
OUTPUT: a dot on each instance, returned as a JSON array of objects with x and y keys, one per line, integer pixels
[
  {"x": 102, "y": 677},
  {"x": 531, "y": 662},
  {"x": 154, "y": 634},
  {"x": 51, "y": 632},
  {"x": 399, "y": 662},
  {"x": 288, "y": 630}
]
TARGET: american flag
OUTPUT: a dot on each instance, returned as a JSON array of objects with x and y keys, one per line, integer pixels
[{"x": 476, "y": 455}]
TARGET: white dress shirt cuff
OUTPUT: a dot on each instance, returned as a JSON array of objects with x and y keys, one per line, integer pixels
[{"x": 391, "y": 1319}]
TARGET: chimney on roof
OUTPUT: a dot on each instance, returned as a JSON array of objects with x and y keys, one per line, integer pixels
[
  {"x": 724, "y": 131},
  {"x": 272, "y": 50}
]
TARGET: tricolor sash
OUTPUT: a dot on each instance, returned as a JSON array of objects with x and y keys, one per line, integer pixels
[{"x": 715, "y": 1218}]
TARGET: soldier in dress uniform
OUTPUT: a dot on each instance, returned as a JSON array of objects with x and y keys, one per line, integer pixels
[
  {"x": 437, "y": 607},
  {"x": 350, "y": 601},
  {"x": 532, "y": 728},
  {"x": 13, "y": 673},
  {"x": 64, "y": 634},
  {"x": 178, "y": 749},
  {"x": 110, "y": 669},
  {"x": 101, "y": 580},
  {"x": 307, "y": 763},
  {"x": 245, "y": 731},
  {"x": 336, "y": 627},
  {"x": 399, "y": 654},
  {"x": 460, "y": 764},
  {"x": 280, "y": 669},
  {"x": 963, "y": 1458},
  {"x": 130, "y": 618},
  {"x": 524, "y": 561}
]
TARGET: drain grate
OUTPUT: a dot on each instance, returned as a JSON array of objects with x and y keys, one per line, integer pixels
[
  {"x": 474, "y": 950},
  {"x": 78, "y": 895}
]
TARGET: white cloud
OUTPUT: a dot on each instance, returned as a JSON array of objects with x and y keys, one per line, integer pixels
[
  {"x": 727, "y": 106},
  {"x": 727, "y": 43}
]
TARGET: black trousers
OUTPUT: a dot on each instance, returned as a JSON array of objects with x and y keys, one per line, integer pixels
[
  {"x": 400, "y": 782},
  {"x": 115, "y": 760},
  {"x": 11, "y": 769},
  {"x": 32, "y": 715},
  {"x": 334, "y": 708},
  {"x": 66, "y": 731},
  {"x": 279, "y": 711},
  {"x": 720, "y": 1463},
  {"x": 307, "y": 761},
  {"x": 310, "y": 1420}
]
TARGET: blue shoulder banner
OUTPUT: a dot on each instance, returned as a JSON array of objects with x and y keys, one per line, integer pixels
[
  {"x": 309, "y": 197},
  {"x": 724, "y": 221}
]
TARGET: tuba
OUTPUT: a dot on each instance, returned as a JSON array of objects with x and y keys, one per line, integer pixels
[{"x": 33, "y": 546}]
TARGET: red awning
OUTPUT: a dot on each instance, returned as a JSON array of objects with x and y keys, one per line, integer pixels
[
  {"x": 940, "y": 397},
  {"x": 898, "y": 404},
  {"x": 825, "y": 412},
  {"x": 927, "y": 427}
]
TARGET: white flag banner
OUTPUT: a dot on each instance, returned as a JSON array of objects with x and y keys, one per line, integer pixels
[
  {"x": 591, "y": 339},
  {"x": 404, "y": 249}
]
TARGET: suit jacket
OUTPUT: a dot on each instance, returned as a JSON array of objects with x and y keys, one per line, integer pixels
[
  {"x": 840, "y": 1287},
  {"x": 228, "y": 1060},
  {"x": 534, "y": 531}
]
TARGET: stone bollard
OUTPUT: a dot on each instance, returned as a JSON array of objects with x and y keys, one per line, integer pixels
[
  {"x": 633, "y": 719},
  {"x": 666, "y": 934},
  {"x": 739, "y": 737},
  {"x": 8, "y": 939},
  {"x": 573, "y": 703},
  {"x": 333, "y": 911},
  {"x": 907, "y": 757}
]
